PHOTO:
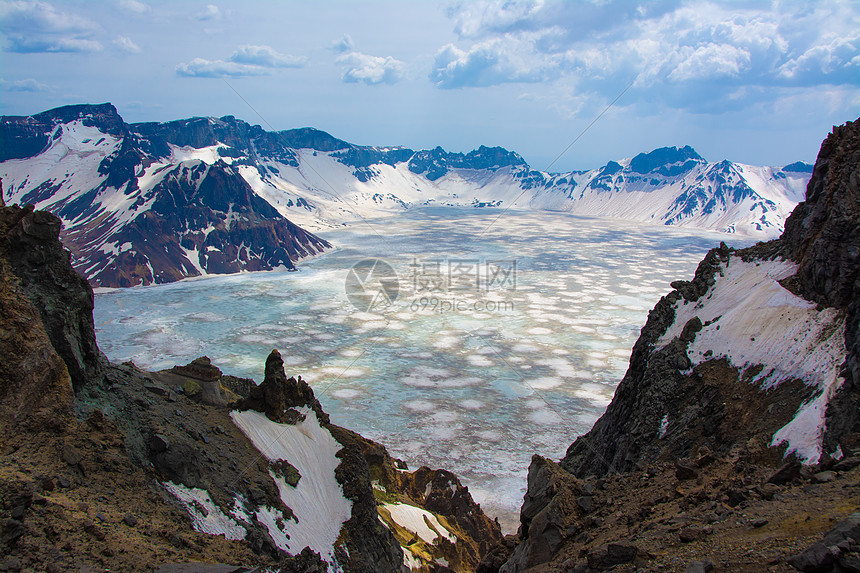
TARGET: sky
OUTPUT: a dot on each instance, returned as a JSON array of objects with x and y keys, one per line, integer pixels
[{"x": 568, "y": 85}]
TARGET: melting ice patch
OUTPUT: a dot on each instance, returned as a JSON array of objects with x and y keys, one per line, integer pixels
[
  {"x": 419, "y": 521},
  {"x": 753, "y": 320},
  {"x": 317, "y": 501},
  {"x": 206, "y": 517}
]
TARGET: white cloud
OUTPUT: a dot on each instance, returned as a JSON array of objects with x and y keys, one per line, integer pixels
[
  {"x": 476, "y": 19},
  {"x": 32, "y": 27},
  {"x": 710, "y": 61},
  {"x": 491, "y": 62},
  {"x": 24, "y": 45},
  {"x": 266, "y": 57},
  {"x": 134, "y": 6},
  {"x": 343, "y": 45},
  {"x": 210, "y": 12},
  {"x": 691, "y": 54},
  {"x": 26, "y": 85},
  {"x": 202, "y": 68},
  {"x": 371, "y": 70},
  {"x": 126, "y": 44},
  {"x": 839, "y": 58},
  {"x": 245, "y": 61}
]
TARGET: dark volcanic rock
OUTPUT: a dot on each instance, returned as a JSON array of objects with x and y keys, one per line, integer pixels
[
  {"x": 371, "y": 545},
  {"x": 199, "y": 368},
  {"x": 244, "y": 232},
  {"x": 438, "y": 491},
  {"x": 278, "y": 394},
  {"x": 550, "y": 508},
  {"x": 823, "y": 236},
  {"x": 651, "y": 389},
  {"x": 817, "y": 559},
  {"x": 64, "y": 298},
  {"x": 35, "y": 387},
  {"x": 610, "y": 555}
]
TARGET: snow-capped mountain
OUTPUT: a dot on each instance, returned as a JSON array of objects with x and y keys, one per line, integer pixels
[
  {"x": 133, "y": 211},
  {"x": 155, "y": 202}
]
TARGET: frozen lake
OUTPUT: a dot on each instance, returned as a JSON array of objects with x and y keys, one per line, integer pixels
[{"x": 504, "y": 337}]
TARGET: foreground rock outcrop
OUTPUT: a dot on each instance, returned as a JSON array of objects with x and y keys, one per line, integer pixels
[
  {"x": 106, "y": 466},
  {"x": 742, "y": 390}
]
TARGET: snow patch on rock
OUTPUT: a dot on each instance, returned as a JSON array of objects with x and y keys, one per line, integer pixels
[
  {"x": 751, "y": 319},
  {"x": 317, "y": 501},
  {"x": 206, "y": 517},
  {"x": 419, "y": 521}
]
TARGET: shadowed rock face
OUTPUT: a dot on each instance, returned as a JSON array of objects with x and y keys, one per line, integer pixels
[
  {"x": 210, "y": 211},
  {"x": 35, "y": 386},
  {"x": 823, "y": 236},
  {"x": 64, "y": 298}
]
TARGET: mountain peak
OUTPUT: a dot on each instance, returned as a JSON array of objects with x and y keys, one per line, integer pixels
[
  {"x": 69, "y": 113},
  {"x": 312, "y": 138},
  {"x": 25, "y": 135},
  {"x": 798, "y": 167},
  {"x": 662, "y": 158}
]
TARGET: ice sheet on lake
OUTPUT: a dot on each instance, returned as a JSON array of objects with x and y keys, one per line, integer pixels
[{"x": 583, "y": 290}]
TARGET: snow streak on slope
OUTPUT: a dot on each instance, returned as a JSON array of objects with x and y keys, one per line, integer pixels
[
  {"x": 317, "y": 501},
  {"x": 751, "y": 320},
  {"x": 68, "y": 165},
  {"x": 205, "y": 515},
  {"x": 419, "y": 521}
]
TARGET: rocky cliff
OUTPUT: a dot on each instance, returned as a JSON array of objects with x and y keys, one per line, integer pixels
[
  {"x": 823, "y": 237},
  {"x": 750, "y": 365},
  {"x": 107, "y": 466}
]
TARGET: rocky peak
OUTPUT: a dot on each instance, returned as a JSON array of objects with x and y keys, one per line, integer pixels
[
  {"x": 25, "y": 136},
  {"x": 661, "y": 159},
  {"x": 823, "y": 233},
  {"x": 491, "y": 158},
  {"x": 104, "y": 116},
  {"x": 278, "y": 395},
  {"x": 435, "y": 163},
  {"x": 798, "y": 167},
  {"x": 310, "y": 138}
]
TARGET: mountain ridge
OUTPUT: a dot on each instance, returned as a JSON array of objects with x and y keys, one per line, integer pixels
[{"x": 137, "y": 206}]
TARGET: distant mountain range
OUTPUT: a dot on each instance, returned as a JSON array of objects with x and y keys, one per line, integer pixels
[{"x": 156, "y": 202}]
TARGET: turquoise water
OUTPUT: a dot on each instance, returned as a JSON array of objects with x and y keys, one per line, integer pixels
[{"x": 506, "y": 335}]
